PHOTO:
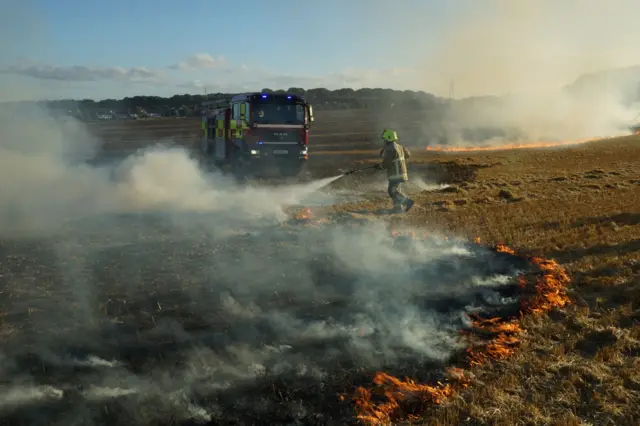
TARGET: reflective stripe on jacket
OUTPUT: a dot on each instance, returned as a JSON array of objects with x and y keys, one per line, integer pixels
[{"x": 393, "y": 161}]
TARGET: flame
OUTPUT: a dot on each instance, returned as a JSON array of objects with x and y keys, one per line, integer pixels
[
  {"x": 405, "y": 398},
  {"x": 304, "y": 214},
  {"x": 501, "y": 346},
  {"x": 503, "y": 248},
  {"x": 395, "y": 391},
  {"x": 550, "y": 288},
  {"x": 525, "y": 145}
]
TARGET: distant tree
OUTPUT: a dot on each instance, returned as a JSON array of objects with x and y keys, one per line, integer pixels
[
  {"x": 320, "y": 93},
  {"x": 187, "y": 104}
]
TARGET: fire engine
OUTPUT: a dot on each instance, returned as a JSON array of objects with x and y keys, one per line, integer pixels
[{"x": 257, "y": 133}]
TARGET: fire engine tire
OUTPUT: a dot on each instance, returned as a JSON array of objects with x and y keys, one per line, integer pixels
[{"x": 239, "y": 167}]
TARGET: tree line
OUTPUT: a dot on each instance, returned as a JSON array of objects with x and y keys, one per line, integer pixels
[{"x": 190, "y": 104}]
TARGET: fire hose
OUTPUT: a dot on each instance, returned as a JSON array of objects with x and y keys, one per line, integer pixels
[
  {"x": 373, "y": 167},
  {"x": 359, "y": 170}
]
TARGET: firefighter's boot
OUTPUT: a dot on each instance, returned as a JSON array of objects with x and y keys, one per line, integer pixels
[{"x": 408, "y": 204}]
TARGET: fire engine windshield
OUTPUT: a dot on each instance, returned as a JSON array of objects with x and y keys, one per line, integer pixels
[{"x": 274, "y": 111}]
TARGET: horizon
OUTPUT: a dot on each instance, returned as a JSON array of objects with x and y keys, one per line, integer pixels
[
  {"x": 161, "y": 48},
  {"x": 227, "y": 94},
  {"x": 120, "y": 99}
]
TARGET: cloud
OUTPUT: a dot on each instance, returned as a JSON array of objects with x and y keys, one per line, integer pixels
[
  {"x": 83, "y": 73},
  {"x": 199, "y": 86},
  {"x": 224, "y": 76},
  {"x": 238, "y": 78},
  {"x": 199, "y": 61}
]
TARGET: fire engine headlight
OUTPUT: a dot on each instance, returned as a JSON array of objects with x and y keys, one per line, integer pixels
[
  {"x": 254, "y": 152},
  {"x": 304, "y": 152}
]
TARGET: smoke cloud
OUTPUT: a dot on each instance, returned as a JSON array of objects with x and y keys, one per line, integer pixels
[
  {"x": 47, "y": 179},
  {"x": 533, "y": 71},
  {"x": 156, "y": 322}
]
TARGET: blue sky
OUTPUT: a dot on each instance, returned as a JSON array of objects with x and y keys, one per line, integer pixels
[
  {"x": 121, "y": 48},
  {"x": 278, "y": 34}
]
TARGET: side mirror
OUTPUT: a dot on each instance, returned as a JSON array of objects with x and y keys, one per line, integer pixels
[{"x": 310, "y": 111}]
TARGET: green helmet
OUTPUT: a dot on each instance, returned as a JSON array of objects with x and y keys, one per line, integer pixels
[{"x": 389, "y": 135}]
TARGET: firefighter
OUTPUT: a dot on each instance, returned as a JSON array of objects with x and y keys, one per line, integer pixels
[{"x": 393, "y": 161}]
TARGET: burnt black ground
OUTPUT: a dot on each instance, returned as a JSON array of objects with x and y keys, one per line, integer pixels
[{"x": 138, "y": 319}]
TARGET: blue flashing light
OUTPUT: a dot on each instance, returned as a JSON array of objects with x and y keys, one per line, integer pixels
[
  {"x": 288, "y": 97},
  {"x": 264, "y": 96},
  {"x": 260, "y": 142}
]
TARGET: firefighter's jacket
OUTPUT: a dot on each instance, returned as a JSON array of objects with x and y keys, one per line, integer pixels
[{"x": 394, "y": 162}]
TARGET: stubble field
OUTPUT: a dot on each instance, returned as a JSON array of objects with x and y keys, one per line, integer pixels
[{"x": 508, "y": 295}]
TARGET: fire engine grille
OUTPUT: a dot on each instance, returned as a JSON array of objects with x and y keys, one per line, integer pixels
[{"x": 280, "y": 136}]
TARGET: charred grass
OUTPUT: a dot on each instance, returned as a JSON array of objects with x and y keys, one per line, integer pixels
[
  {"x": 159, "y": 303},
  {"x": 579, "y": 364}
]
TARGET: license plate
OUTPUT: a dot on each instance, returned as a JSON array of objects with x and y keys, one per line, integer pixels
[{"x": 280, "y": 151}]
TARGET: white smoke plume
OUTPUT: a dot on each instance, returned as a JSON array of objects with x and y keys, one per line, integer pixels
[
  {"x": 47, "y": 182},
  {"x": 535, "y": 71}
]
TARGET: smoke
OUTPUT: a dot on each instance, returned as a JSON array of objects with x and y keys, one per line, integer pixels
[
  {"x": 532, "y": 71},
  {"x": 154, "y": 321},
  {"x": 47, "y": 180},
  {"x": 160, "y": 291}
]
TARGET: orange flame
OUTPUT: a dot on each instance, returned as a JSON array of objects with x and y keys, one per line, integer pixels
[
  {"x": 550, "y": 288},
  {"x": 525, "y": 145},
  {"x": 549, "y": 293},
  {"x": 304, "y": 214},
  {"x": 503, "y": 248},
  {"x": 501, "y": 346},
  {"x": 395, "y": 391}
]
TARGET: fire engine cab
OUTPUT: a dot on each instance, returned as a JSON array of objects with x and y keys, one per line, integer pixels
[{"x": 257, "y": 133}]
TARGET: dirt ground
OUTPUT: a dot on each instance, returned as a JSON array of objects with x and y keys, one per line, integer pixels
[{"x": 572, "y": 361}]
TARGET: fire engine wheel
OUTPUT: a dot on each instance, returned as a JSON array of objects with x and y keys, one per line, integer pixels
[{"x": 239, "y": 168}]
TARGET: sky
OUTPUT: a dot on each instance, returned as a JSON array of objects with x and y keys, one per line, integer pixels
[{"x": 99, "y": 49}]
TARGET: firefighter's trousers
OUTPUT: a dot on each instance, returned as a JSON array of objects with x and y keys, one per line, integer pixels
[{"x": 395, "y": 192}]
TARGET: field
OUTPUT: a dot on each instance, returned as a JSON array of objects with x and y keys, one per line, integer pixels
[
  {"x": 331, "y": 129},
  {"x": 508, "y": 295}
]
